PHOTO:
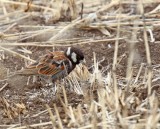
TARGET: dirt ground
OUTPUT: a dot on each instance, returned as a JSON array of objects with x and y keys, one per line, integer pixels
[
  {"x": 25, "y": 104},
  {"x": 33, "y": 97}
]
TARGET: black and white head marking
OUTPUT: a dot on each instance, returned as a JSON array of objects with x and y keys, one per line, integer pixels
[
  {"x": 75, "y": 55},
  {"x": 68, "y": 51}
]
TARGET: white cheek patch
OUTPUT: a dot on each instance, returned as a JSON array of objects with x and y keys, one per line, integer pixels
[
  {"x": 69, "y": 51},
  {"x": 74, "y": 57}
]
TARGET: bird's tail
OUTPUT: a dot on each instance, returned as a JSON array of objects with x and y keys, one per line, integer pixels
[
  {"x": 27, "y": 72},
  {"x": 23, "y": 72}
]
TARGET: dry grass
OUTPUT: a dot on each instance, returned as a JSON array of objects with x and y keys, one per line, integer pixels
[{"x": 109, "y": 100}]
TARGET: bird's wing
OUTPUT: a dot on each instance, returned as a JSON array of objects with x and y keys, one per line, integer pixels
[{"x": 50, "y": 64}]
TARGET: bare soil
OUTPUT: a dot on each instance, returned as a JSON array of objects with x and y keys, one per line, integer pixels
[
  {"x": 25, "y": 104},
  {"x": 35, "y": 96}
]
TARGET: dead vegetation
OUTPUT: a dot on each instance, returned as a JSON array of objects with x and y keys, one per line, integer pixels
[{"x": 118, "y": 89}]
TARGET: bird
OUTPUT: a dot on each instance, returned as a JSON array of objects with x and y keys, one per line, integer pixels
[{"x": 57, "y": 64}]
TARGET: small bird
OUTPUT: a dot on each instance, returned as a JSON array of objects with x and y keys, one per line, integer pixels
[{"x": 56, "y": 64}]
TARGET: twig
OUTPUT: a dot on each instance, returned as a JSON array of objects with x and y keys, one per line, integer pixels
[
  {"x": 148, "y": 55},
  {"x": 25, "y": 4},
  {"x": 58, "y": 117},
  {"x": 16, "y": 54},
  {"x": 51, "y": 115},
  {"x": 34, "y": 125},
  {"x": 5, "y": 85},
  {"x": 114, "y": 65},
  {"x": 58, "y": 43}
]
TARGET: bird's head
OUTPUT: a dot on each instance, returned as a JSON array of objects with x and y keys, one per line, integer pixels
[{"x": 75, "y": 55}]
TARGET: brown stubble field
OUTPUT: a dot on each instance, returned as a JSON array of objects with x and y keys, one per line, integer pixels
[{"x": 118, "y": 88}]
